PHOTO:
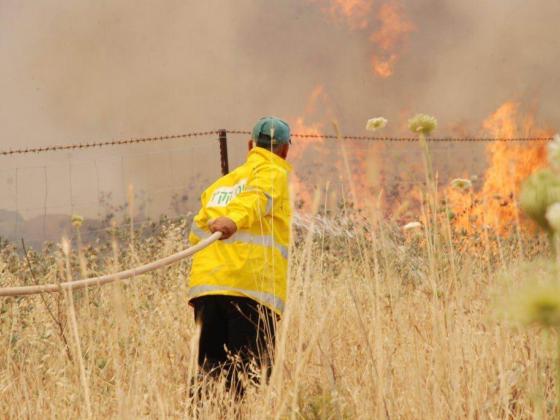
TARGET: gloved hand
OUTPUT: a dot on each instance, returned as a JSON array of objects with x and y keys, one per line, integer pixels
[{"x": 223, "y": 224}]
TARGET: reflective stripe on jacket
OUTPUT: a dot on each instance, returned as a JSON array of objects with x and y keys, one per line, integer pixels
[{"x": 254, "y": 261}]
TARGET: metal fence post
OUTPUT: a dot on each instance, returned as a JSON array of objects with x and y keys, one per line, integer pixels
[{"x": 222, "y": 137}]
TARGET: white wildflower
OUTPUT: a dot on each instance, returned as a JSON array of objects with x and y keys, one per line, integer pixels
[
  {"x": 422, "y": 123},
  {"x": 461, "y": 184},
  {"x": 412, "y": 225},
  {"x": 553, "y": 217},
  {"x": 375, "y": 124},
  {"x": 554, "y": 152}
]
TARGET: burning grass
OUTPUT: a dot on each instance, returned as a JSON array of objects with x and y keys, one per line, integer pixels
[{"x": 381, "y": 322}]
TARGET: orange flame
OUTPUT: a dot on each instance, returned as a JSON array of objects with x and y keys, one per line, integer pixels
[
  {"x": 387, "y": 39},
  {"x": 300, "y": 126},
  {"x": 354, "y": 12},
  {"x": 302, "y": 187},
  {"x": 392, "y": 33},
  {"x": 318, "y": 164},
  {"x": 509, "y": 164}
]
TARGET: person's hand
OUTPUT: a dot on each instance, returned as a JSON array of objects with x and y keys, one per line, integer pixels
[{"x": 224, "y": 225}]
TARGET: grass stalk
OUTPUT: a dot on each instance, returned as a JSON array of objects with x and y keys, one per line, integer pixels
[{"x": 69, "y": 294}]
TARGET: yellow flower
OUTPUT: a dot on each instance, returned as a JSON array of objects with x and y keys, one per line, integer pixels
[
  {"x": 375, "y": 124},
  {"x": 422, "y": 123},
  {"x": 461, "y": 184},
  {"x": 77, "y": 221}
]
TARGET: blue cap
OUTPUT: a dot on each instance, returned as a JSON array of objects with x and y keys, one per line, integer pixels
[{"x": 271, "y": 131}]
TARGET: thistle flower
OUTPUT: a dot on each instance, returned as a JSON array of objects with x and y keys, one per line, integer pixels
[
  {"x": 540, "y": 191},
  {"x": 422, "y": 123},
  {"x": 553, "y": 217},
  {"x": 412, "y": 225},
  {"x": 554, "y": 152},
  {"x": 461, "y": 184},
  {"x": 77, "y": 221},
  {"x": 375, "y": 124}
]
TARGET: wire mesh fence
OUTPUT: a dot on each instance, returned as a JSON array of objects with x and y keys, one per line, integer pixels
[{"x": 39, "y": 194}]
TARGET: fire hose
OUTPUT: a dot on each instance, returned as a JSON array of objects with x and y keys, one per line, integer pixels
[{"x": 109, "y": 278}]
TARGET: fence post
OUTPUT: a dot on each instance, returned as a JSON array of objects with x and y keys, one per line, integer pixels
[{"x": 222, "y": 137}]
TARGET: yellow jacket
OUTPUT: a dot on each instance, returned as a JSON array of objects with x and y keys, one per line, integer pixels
[{"x": 254, "y": 261}]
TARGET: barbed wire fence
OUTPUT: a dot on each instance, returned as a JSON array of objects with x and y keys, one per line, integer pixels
[
  {"x": 141, "y": 140},
  {"x": 38, "y": 200}
]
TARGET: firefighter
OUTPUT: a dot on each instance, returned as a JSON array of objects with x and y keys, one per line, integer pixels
[{"x": 237, "y": 285}]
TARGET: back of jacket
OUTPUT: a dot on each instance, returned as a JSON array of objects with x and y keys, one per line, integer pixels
[{"x": 254, "y": 261}]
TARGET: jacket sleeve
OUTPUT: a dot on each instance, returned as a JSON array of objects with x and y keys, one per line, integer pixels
[
  {"x": 265, "y": 185},
  {"x": 199, "y": 222}
]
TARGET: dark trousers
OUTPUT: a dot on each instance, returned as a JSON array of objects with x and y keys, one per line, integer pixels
[{"x": 237, "y": 337}]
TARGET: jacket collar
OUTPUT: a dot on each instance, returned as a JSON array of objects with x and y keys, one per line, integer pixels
[{"x": 261, "y": 153}]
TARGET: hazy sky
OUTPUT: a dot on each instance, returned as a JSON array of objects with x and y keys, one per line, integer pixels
[{"x": 73, "y": 71}]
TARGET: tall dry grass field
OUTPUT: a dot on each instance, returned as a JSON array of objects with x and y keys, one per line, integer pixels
[{"x": 380, "y": 323}]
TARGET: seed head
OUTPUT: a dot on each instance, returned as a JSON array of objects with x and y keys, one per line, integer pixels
[
  {"x": 77, "y": 221},
  {"x": 375, "y": 124},
  {"x": 412, "y": 225},
  {"x": 422, "y": 123},
  {"x": 461, "y": 184},
  {"x": 553, "y": 217},
  {"x": 540, "y": 191}
]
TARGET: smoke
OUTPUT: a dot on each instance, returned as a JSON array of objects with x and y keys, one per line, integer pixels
[
  {"x": 476, "y": 58},
  {"x": 75, "y": 71}
]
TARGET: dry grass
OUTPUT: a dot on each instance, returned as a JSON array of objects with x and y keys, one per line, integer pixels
[{"x": 378, "y": 326}]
